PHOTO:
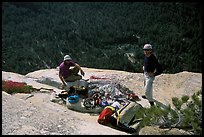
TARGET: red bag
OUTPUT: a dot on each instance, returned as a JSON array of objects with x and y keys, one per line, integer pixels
[{"x": 105, "y": 115}]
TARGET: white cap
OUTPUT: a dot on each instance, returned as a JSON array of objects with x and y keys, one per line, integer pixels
[
  {"x": 67, "y": 57},
  {"x": 147, "y": 46}
]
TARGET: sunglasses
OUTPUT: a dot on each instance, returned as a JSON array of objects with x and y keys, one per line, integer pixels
[{"x": 147, "y": 49}]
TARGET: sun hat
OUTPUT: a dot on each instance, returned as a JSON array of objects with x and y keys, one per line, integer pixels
[
  {"x": 67, "y": 57},
  {"x": 147, "y": 47}
]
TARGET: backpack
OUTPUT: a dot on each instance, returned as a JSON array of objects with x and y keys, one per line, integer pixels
[
  {"x": 125, "y": 117},
  {"x": 159, "y": 69}
]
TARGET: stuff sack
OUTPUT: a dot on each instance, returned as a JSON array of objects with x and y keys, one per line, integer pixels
[
  {"x": 126, "y": 116},
  {"x": 105, "y": 115},
  {"x": 73, "y": 99}
]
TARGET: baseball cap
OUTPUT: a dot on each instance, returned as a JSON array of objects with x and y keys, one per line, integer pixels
[{"x": 147, "y": 47}]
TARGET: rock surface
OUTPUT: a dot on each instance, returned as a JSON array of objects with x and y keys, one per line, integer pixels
[{"x": 35, "y": 114}]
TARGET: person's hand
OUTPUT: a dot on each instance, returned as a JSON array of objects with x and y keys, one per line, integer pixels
[
  {"x": 151, "y": 74},
  {"x": 63, "y": 86}
]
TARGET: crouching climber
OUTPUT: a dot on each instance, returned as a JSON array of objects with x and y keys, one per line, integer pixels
[{"x": 68, "y": 74}]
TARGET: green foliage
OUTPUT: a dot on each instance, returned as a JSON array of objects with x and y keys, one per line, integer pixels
[
  {"x": 184, "y": 99},
  {"x": 187, "y": 114},
  {"x": 12, "y": 87},
  {"x": 36, "y": 35},
  {"x": 177, "y": 103}
]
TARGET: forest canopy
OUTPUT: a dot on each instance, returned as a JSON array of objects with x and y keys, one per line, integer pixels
[{"x": 104, "y": 35}]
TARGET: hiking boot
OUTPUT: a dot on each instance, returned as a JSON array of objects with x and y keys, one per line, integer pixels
[
  {"x": 143, "y": 96},
  {"x": 151, "y": 103}
]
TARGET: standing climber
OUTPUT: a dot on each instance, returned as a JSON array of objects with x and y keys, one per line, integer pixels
[{"x": 151, "y": 69}]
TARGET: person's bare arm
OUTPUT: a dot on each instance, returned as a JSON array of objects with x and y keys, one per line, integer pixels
[
  {"x": 63, "y": 81},
  {"x": 81, "y": 71}
]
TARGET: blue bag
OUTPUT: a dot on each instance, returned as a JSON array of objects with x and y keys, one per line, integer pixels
[{"x": 73, "y": 99}]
